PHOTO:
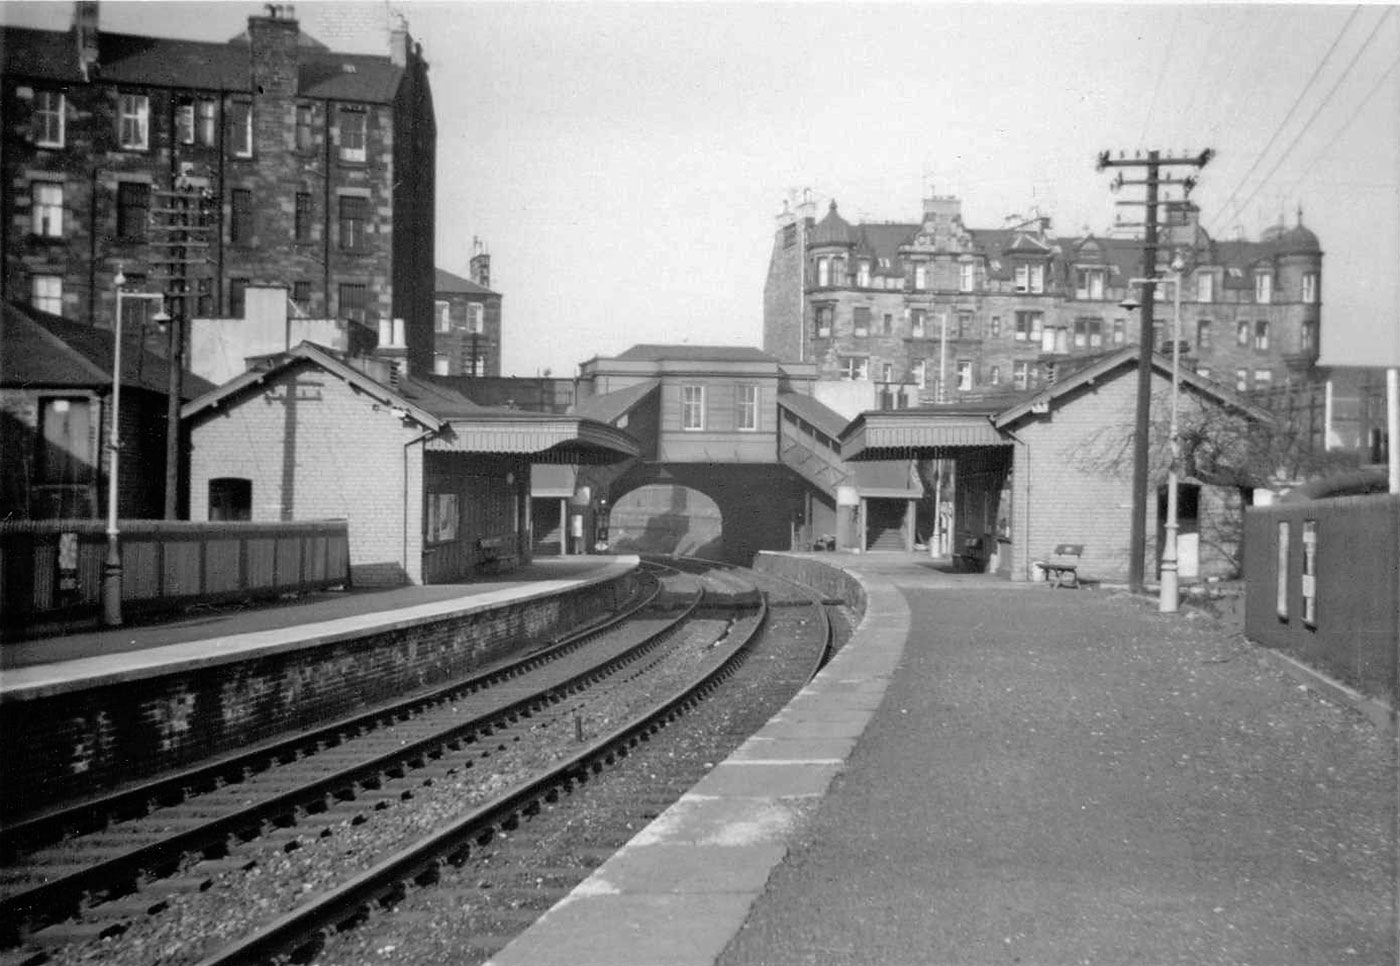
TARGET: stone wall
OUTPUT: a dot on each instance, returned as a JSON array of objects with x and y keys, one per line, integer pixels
[{"x": 80, "y": 741}]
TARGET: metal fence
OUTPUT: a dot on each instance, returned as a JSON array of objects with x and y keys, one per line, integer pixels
[
  {"x": 1323, "y": 585},
  {"x": 52, "y": 569}
]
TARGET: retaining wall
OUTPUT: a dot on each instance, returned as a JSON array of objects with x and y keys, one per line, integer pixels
[
  {"x": 70, "y": 740},
  {"x": 825, "y": 578},
  {"x": 1323, "y": 585}
]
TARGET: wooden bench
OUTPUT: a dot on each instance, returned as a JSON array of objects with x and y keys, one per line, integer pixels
[
  {"x": 495, "y": 553},
  {"x": 969, "y": 558},
  {"x": 1063, "y": 565}
]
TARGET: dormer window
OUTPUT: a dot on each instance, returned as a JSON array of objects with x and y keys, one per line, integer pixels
[
  {"x": 863, "y": 274},
  {"x": 967, "y": 277},
  {"x": 1030, "y": 278},
  {"x": 1263, "y": 287}
]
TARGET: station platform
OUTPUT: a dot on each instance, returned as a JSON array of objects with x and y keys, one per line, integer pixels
[
  {"x": 992, "y": 772},
  {"x": 93, "y": 657}
]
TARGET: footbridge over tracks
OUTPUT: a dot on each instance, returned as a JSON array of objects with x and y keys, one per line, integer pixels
[{"x": 737, "y": 456}]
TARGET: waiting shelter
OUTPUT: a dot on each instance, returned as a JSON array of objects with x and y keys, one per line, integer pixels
[{"x": 1053, "y": 466}]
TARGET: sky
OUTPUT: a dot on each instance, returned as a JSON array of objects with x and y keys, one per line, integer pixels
[{"x": 624, "y": 163}]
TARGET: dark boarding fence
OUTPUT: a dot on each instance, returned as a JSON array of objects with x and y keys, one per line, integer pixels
[
  {"x": 1322, "y": 587},
  {"x": 51, "y": 570}
]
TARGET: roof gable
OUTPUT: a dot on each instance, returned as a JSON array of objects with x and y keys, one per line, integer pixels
[
  {"x": 309, "y": 354},
  {"x": 1116, "y": 365},
  {"x": 446, "y": 283},
  {"x": 50, "y": 351}
]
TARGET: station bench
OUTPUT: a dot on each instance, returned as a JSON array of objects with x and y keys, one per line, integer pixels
[
  {"x": 496, "y": 553},
  {"x": 1063, "y": 565},
  {"x": 969, "y": 558}
]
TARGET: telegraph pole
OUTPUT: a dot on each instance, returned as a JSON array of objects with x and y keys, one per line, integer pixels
[{"x": 1152, "y": 182}]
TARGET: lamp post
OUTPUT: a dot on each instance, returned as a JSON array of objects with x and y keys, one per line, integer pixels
[
  {"x": 1169, "y": 593},
  {"x": 112, "y": 567}
]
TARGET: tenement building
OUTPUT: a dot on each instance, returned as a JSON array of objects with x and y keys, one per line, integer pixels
[
  {"x": 199, "y": 170},
  {"x": 963, "y": 312},
  {"x": 467, "y": 320}
]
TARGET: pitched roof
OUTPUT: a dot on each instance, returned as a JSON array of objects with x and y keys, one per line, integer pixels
[
  {"x": 611, "y": 406},
  {"x": 450, "y": 284},
  {"x": 820, "y": 415},
  {"x": 46, "y": 351},
  {"x": 1124, "y": 358},
  {"x": 196, "y": 64},
  {"x": 695, "y": 353},
  {"x": 459, "y": 425},
  {"x": 308, "y": 353}
]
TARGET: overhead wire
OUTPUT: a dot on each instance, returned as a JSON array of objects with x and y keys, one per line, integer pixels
[
  {"x": 1331, "y": 142},
  {"x": 1325, "y": 101},
  {"x": 1224, "y": 210},
  {"x": 1161, "y": 72}
]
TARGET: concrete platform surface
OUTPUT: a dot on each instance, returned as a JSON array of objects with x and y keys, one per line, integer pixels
[
  {"x": 998, "y": 773},
  {"x": 226, "y": 634}
]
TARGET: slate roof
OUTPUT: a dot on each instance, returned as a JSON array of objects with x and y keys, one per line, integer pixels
[
  {"x": 43, "y": 351},
  {"x": 611, "y": 406},
  {"x": 833, "y": 230},
  {"x": 450, "y": 284},
  {"x": 194, "y": 64},
  {"x": 818, "y": 413},
  {"x": 695, "y": 353}
]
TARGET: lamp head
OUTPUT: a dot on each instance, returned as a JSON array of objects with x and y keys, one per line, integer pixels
[
  {"x": 1130, "y": 304},
  {"x": 120, "y": 280}
]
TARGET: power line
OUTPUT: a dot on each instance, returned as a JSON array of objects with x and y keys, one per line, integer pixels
[
  {"x": 1221, "y": 211},
  {"x": 1325, "y": 101},
  {"x": 1331, "y": 142},
  {"x": 1161, "y": 72}
]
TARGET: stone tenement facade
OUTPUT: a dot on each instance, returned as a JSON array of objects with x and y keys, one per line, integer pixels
[
  {"x": 317, "y": 170},
  {"x": 467, "y": 322},
  {"x": 961, "y": 312}
]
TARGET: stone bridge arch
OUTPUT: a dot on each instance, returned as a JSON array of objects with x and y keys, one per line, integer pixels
[{"x": 720, "y": 511}]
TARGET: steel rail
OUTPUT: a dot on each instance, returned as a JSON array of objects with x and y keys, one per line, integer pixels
[
  {"x": 453, "y": 842},
  {"x": 57, "y": 899},
  {"x": 130, "y": 801}
]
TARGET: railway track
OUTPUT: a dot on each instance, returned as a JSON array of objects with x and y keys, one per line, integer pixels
[{"x": 450, "y": 776}]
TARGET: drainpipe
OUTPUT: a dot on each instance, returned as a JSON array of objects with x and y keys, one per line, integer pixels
[{"x": 418, "y": 439}]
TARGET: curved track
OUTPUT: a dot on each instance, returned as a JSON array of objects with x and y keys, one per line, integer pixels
[{"x": 697, "y": 629}]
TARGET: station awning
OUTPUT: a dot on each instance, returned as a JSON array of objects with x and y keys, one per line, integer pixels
[
  {"x": 918, "y": 434},
  {"x": 543, "y": 438}
]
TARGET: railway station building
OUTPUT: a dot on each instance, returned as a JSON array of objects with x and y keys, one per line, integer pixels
[
  {"x": 1053, "y": 467},
  {"x": 434, "y": 487}
]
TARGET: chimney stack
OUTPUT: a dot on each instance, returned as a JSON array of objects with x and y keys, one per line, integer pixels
[
  {"x": 398, "y": 41},
  {"x": 273, "y": 42},
  {"x": 480, "y": 271},
  {"x": 85, "y": 34}
]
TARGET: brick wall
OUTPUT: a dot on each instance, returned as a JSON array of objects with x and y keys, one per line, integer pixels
[
  {"x": 1073, "y": 484},
  {"x": 340, "y": 455},
  {"x": 80, "y": 742}
]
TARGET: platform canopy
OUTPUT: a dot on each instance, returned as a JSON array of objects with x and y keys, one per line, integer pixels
[
  {"x": 544, "y": 438},
  {"x": 920, "y": 434}
]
